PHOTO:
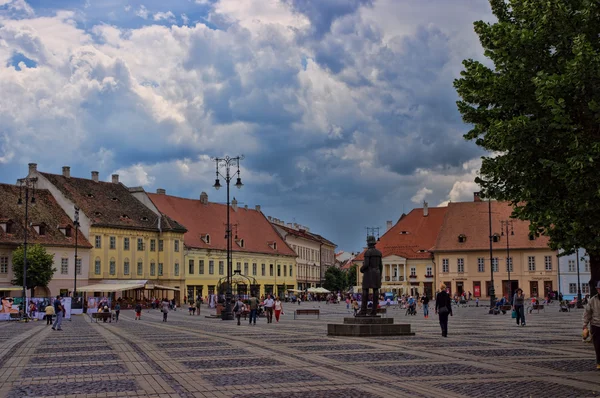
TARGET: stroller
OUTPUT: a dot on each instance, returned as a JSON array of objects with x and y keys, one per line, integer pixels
[{"x": 411, "y": 310}]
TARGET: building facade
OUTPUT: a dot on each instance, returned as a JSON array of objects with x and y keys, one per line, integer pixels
[
  {"x": 265, "y": 263},
  {"x": 50, "y": 227},
  {"x": 567, "y": 277},
  {"x": 327, "y": 255},
  {"x": 129, "y": 241}
]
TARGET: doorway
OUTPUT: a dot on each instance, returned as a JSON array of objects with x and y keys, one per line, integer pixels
[
  {"x": 428, "y": 289},
  {"x": 547, "y": 288},
  {"x": 533, "y": 288},
  {"x": 459, "y": 288},
  {"x": 477, "y": 289},
  {"x": 509, "y": 288}
]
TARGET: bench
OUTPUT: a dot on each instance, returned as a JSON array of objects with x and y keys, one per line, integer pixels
[
  {"x": 309, "y": 312},
  {"x": 537, "y": 307},
  {"x": 101, "y": 315},
  {"x": 505, "y": 308},
  {"x": 15, "y": 316}
]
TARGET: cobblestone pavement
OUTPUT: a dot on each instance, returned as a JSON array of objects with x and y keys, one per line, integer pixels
[{"x": 194, "y": 356}]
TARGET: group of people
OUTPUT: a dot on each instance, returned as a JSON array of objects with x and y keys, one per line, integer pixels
[{"x": 271, "y": 305}]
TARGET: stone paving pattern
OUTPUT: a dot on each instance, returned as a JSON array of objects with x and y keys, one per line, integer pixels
[{"x": 194, "y": 356}]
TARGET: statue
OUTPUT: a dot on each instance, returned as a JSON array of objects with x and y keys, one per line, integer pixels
[{"x": 371, "y": 270}]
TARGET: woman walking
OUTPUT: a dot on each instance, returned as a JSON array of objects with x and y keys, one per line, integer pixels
[
  {"x": 278, "y": 309},
  {"x": 443, "y": 307},
  {"x": 518, "y": 305}
]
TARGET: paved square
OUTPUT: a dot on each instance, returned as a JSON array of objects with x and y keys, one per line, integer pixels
[{"x": 194, "y": 356}]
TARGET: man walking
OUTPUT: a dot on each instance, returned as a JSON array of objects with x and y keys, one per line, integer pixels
[
  {"x": 165, "y": 309},
  {"x": 59, "y": 310},
  {"x": 591, "y": 315},
  {"x": 269, "y": 303},
  {"x": 253, "y": 305}
]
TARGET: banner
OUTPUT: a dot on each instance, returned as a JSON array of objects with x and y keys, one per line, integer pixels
[
  {"x": 93, "y": 303},
  {"x": 10, "y": 305}
]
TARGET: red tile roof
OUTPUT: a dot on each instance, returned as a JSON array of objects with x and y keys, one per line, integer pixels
[
  {"x": 413, "y": 236},
  {"x": 301, "y": 233},
  {"x": 211, "y": 218},
  {"x": 46, "y": 211},
  {"x": 110, "y": 204},
  {"x": 472, "y": 220}
]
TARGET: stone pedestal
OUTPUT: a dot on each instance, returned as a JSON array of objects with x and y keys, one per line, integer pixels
[{"x": 369, "y": 326}]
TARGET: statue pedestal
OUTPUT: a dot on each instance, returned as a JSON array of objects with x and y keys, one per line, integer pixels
[{"x": 365, "y": 326}]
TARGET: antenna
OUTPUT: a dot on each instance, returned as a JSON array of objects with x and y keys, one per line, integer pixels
[{"x": 372, "y": 230}]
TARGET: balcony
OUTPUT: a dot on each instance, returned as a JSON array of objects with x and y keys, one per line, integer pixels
[
  {"x": 428, "y": 275},
  {"x": 413, "y": 276}
]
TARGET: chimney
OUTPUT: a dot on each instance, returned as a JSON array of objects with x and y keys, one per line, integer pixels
[
  {"x": 245, "y": 207},
  {"x": 234, "y": 204},
  {"x": 269, "y": 218},
  {"x": 161, "y": 191},
  {"x": 388, "y": 225},
  {"x": 66, "y": 171},
  {"x": 425, "y": 209},
  {"x": 257, "y": 207},
  {"x": 115, "y": 178},
  {"x": 290, "y": 225},
  {"x": 95, "y": 176},
  {"x": 477, "y": 196},
  {"x": 204, "y": 198},
  {"x": 32, "y": 168}
]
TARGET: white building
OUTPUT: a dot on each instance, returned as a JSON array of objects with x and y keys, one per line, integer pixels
[{"x": 568, "y": 274}]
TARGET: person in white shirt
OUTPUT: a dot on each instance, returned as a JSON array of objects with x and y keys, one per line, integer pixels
[
  {"x": 269, "y": 304},
  {"x": 278, "y": 309}
]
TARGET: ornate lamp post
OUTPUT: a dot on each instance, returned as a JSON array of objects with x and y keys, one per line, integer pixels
[
  {"x": 226, "y": 163},
  {"x": 505, "y": 224},
  {"x": 579, "y": 304},
  {"x": 76, "y": 224},
  {"x": 26, "y": 184}
]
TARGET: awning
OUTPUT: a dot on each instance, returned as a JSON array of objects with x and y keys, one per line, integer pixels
[
  {"x": 110, "y": 287},
  {"x": 159, "y": 287},
  {"x": 10, "y": 288},
  {"x": 295, "y": 290}
]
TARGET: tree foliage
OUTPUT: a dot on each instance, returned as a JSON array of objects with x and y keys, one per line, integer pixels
[
  {"x": 335, "y": 279},
  {"x": 39, "y": 266},
  {"x": 351, "y": 275},
  {"x": 538, "y": 111}
]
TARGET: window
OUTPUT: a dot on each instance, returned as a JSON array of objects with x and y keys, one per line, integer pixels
[
  {"x": 191, "y": 267},
  {"x": 445, "y": 265},
  {"x": 270, "y": 269},
  {"x": 176, "y": 245},
  {"x": 263, "y": 269},
  {"x": 285, "y": 270},
  {"x": 572, "y": 288},
  {"x": 278, "y": 269},
  {"x": 572, "y": 266},
  {"x": 495, "y": 263},
  {"x": 98, "y": 242},
  {"x": 97, "y": 266},
  {"x": 201, "y": 267},
  {"x": 462, "y": 238},
  {"x": 291, "y": 266},
  {"x": 413, "y": 271},
  {"x": 161, "y": 245},
  {"x": 78, "y": 266},
  {"x": 152, "y": 245},
  {"x": 586, "y": 266},
  {"x": 585, "y": 288},
  {"x": 176, "y": 269},
  {"x": 113, "y": 243},
  {"x": 211, "y": 267},
  {"x": 152, "y": 268},
  {"x": 509, "y": 264},
  {"x": 480, "y": 264},
  {"x": 112, "y": 267},
  {"x": 238, "y": 267},
  {"x": 496, "y": 238},
  {"x": 254, "y": 269},
  {"x": 125, "y": 243},
  {"x": 245, "y": 268},
  {"x": 429, "y": 270},
  {"x": 460, "y": 265},
  {"x": 548, "y": 263},
  {"x": 221, "y": 268},
  {"x": 64, "y": 266},
  {"x": 140, "y": 268},
  {"x": 3, "y": 265},
  {"x": 531, "y": 263},
  {"x": 140, "y": 244},
  {"x": 126, "y": 267},
  {"x": 160, "y": 269}
]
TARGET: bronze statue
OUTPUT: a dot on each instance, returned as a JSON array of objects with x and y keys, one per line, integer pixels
[{"x": 371, "y": 270}]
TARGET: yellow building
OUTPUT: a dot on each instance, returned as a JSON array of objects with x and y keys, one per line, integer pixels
[
  {"x": 131, "y": 245},
  {"x": 265, "y": 262}
]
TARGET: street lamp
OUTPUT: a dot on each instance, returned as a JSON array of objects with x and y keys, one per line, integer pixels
[
  {"x": 492, "y": 290},
  {"x": 76, "y": 224},
  {"x": 27, "y": 183},
  {"x": 505, "y": 224},
  {"x": 579, "y": 304},
  {"x": 226, "y": 163}
]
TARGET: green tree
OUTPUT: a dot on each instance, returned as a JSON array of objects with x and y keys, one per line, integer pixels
[
  {"x": 538, "y": 112},
  {"x": 39, "y": 267},
  {"x": 351, "y": 275},
  {"x": 335, "y": 279}
]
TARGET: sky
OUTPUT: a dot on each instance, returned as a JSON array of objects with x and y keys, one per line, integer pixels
[{"x": 344, "y": 110}]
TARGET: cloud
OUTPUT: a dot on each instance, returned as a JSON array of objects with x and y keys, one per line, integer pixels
[
  {"x": 419, "y": 197},
  {"x": 167, "y": 16},
  {"x": 142, "y": 12}
]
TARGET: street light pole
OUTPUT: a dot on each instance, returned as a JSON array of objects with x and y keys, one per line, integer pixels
[
  {"x": 76, "y": 223},
  {"x": 504, "y": 225},
  {"x": 579, "y": 305},
  {"x": 226, "y": 163},
  {"x": 27, "y": 183},
  {"x": 492, "y": 289}
]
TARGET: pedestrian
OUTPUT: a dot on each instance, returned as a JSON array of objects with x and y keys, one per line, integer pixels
[
  {"x": 253, "y": 305},
  {"x": 117, "y": 311},
  {"x": 191, "y": 308},
  {"x": 355, "y": 306},
  {"x": 198, "y": 303},
  {"x": 425, "y": 302},
  {"x": 443, "y": 307},
  {"x": 269, "y": 303},
  {"x": 165, "y": 309},
  {"x": 49, "y": 313},
  {"x": 518, "y": 305},
  {"x": 278, "y": 309},
  {"x": 239, "y": 309},
  {"x": 138, "y": 311},
  {"x": 591, "y": 316},
  {"x": 59, "y": 310}
]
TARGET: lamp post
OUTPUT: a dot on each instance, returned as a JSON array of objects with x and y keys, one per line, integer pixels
[
  {"x": 492, "y": 290},
  {"x": 579, "y": 304},
  {"x": 226, "y": 163},
  {"x": 27, "y": 183},
  {"x": 506, "y": 224},
  {"x": 76, "y": 224}
]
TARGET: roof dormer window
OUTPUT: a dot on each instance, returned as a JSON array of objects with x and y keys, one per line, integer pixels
[
  {"x": 205, "y": 238},
  {"x": 272, "y": 244},
  {"x": 7, "y": 226},
  {"x": 531, "y": 237},
  {"x": 144, "y": 218},
  {"x": 90, "y": 195},
  {"x": 97, "y": 214},
  {"x": 40, "y": 229},
  {"x": 115, "y": 199},
  {"x": 462, "y": 238},
  {"x": 125, "y": 217},
  {"x": 240, "y": 242},
  {"x": 403, "y": 232},
  {"x": 496, "y": 238}
]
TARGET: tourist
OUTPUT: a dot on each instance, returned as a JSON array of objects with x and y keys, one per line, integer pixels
[
  {"x": 138, "y": 310},
  {"x": 425, "y": 302},
  {"x": 253, "y": 305},
  {"x": 191, "y": 308},
  {"x": 269, "y": 303},
  {"x": 165, "y": 309},
  {"x": 518, "y": 305},
  {"x": 591, "y": 316},
  {"x": 239, "y": 309},
  {"x": 59, "y": 310},
  {"x": 355, "y": 306},
  {"x": 117, "y": 312},
  {"x": 198, "y": 303},
  {"x": 278, "y": 309},
  {"x": 443, "y": 307},
  {"x": 49, "y": 313}
]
